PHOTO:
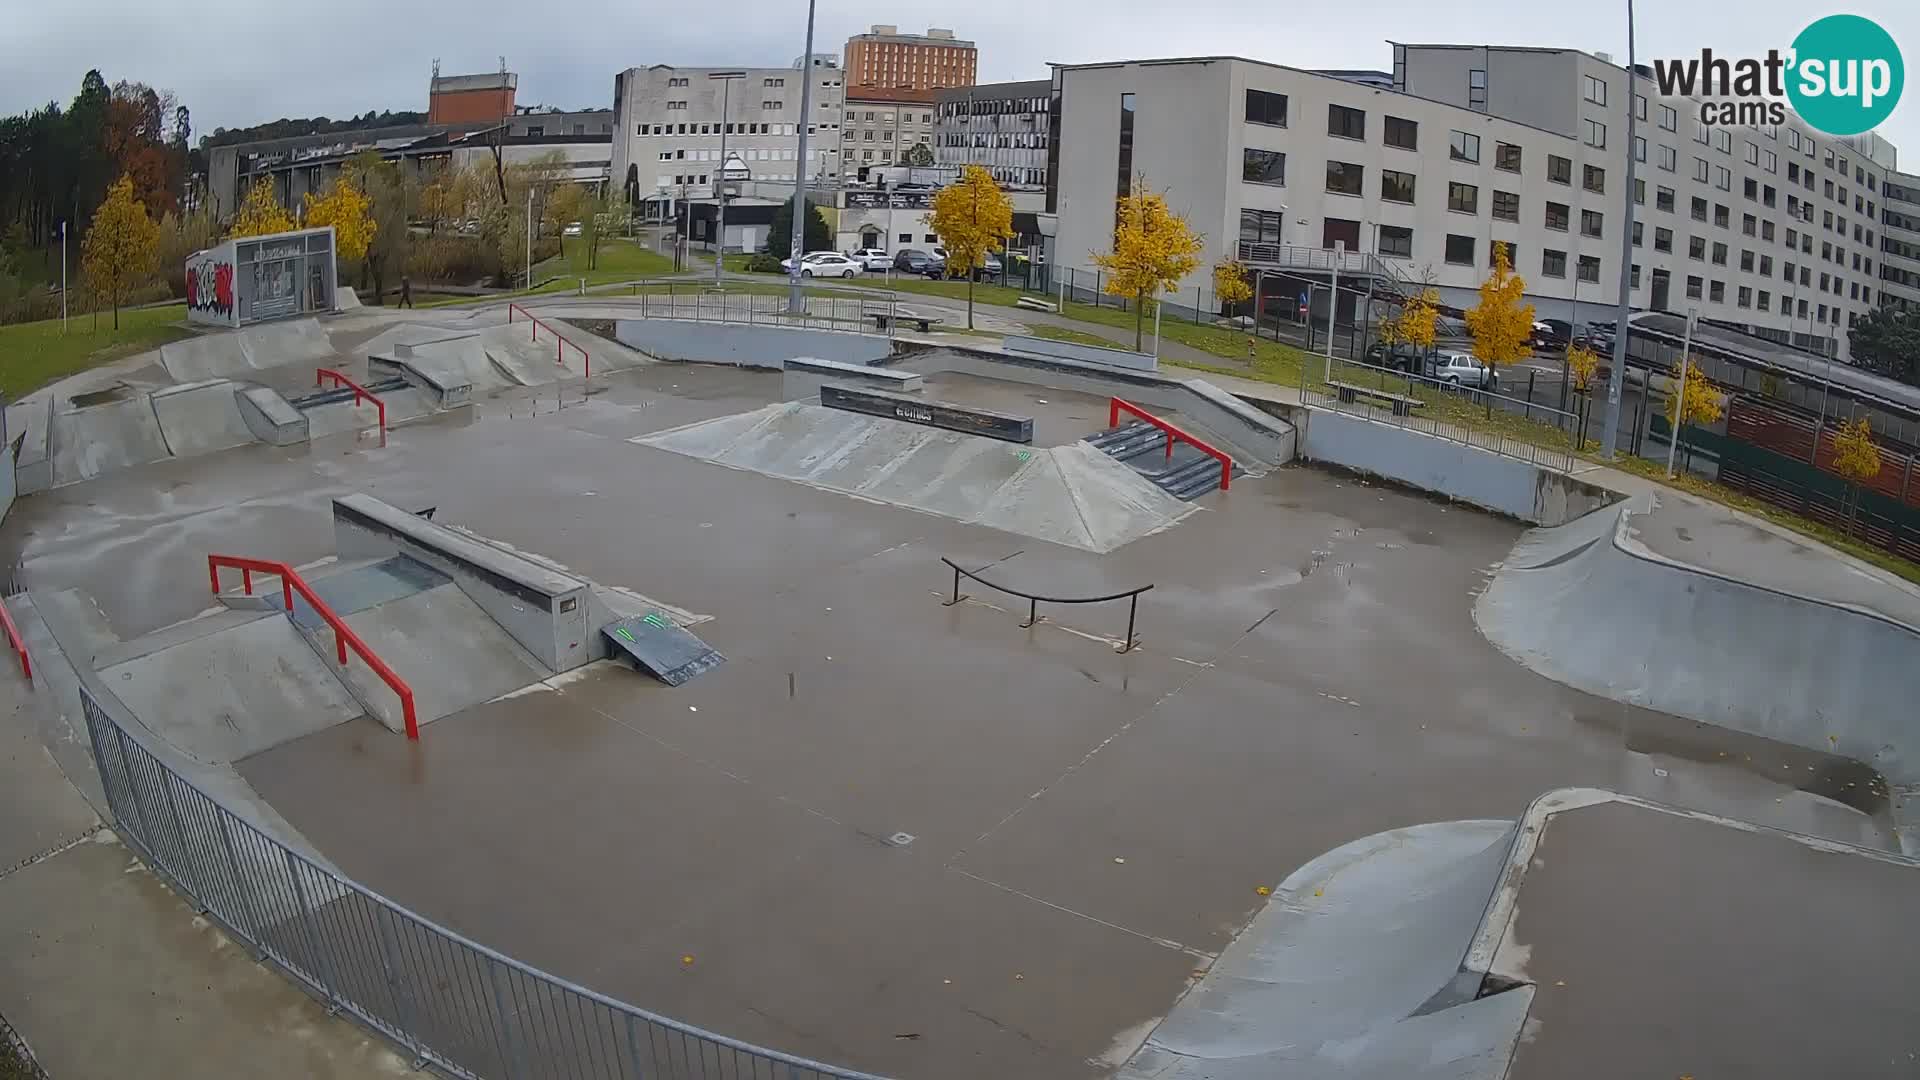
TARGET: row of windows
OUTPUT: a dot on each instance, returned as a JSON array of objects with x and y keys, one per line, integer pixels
[
  {"x": 715, "y": 129},
  {"x": 777, "y": 153}
]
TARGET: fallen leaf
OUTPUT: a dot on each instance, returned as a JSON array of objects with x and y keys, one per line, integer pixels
[
  {"x": 687, "y": 959},
  {"x": 1262, "y": 890},
  {"x": 1017, "y": 977},
  {"x": 1118, "y": 859}
]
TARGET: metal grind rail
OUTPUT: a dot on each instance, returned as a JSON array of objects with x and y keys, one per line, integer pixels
[
  {"x": 1131, "y": 596},
  {"x": 17, "y": 642},
  {"x": 1116, "y": 406},
  {"x": 320, "y": 378},
  {"x": 561, "y": 341},
  {"x": 343, "y": 635}
]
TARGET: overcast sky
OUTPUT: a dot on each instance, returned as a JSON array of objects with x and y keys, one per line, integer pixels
[{"x": 235, "y": 63}]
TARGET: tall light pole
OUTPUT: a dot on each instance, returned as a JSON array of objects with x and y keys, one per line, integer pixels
[
  {"x": 796, "y": 303},
  {"x": 725, "y": 79},
  {"x": 1617, "y": 378},
  {"x": 529, "y": 237},
  {"x": 63, "y": 276}
]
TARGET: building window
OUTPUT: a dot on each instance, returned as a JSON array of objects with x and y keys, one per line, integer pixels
[
  {"x": 1553, "y": 263},
  {"x": 1640, "y": 106},
  {"x": 1719, "y": 254},
  {"x": 1669, "y": 120},
  {"x": 1403, "y": 133},
  {"x": 1749, "y": 225},
  {"x": 1595, "y": 133},
  {"x": 1723, "y": 140},
  {"x": 1751, "y": 153},
  {"x": 1396, "y": 186},
  {"x": 1506, "y": 206},
  {"x": 1396, "y": 241},
  {"x": 1769, "y": 196},
  {"x": 1638, "y": 230},
  {"x": 1345, "y": 178},
  {"x": 1766, "y": 266},
  {"x": 1698, "y": 209},
  {"x": 1266, "y": 108},
  {"x": 1746, "y": 261},
  {"x": 1772, "y": 162},
  {"x": 1263, "y": 167},
  {"x": 1639, "y": 148},
  {"x": 1477, "y": 90},
  {"x": 1459, "y": 249},
  {"x": 1669, "y": 157},
  {"x": 1596, "y": 91},
  {"x": 1663, "y": 240},
  {"x": 1722, "y": 178},
  {"x": 1744, "y": 297},
  {"x": 1346, "y": 123},
  {"x": 1260, "y": 226},
  {"x": 1766, "y": 298},
  {"x": 1590, "y": 222},
  {"x": 1702, "y": 170},
  {"x": 1633, "y": 273},
  {"x": 1463, "y": 147},
  {"x": 1663, "y": 199},
  {"x": 1590, "y": 268},
  {"x": 1506, "y": 157},
  {"x": 1695, "y": 287},
  {"x": 1126, "y": 148},
  {"x": 1594, "y": 179},
  {"x": 1717, "y": 292},
  {"x": 1463, "y": 198},
  {"x": 1559, "y": 169},
  {"x": 1639, "y": 192},
  {"x": 1557, "y": 216}
]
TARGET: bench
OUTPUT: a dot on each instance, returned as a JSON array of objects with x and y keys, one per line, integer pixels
[
  {"x": 880, "y": 319},
  {"x": 1034, "y": 303},
  {"x": 1402, "y": 404}
]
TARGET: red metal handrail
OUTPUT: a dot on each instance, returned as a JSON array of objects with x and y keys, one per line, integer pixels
[
  {"x": 320, "y": 378},
  {"x": 343, "y": 635},
  {"x": 18, "y": 642},
  {"x": 561, "y": 341},
  {"x": 1116, "y": 406}
]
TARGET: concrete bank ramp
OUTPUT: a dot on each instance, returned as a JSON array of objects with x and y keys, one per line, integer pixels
[
  {"x": 1355, "y": 969},
  {"x": 1589, "y": 606},
  {"x": 201, "y": 417},
  {"x": 88, "y": 440},
  {"x": 337, "y": 417},
  {"x": 1072, "y": 495},
  {"x": 218, "y": 354},
  {"x": 224, "y": 686}
]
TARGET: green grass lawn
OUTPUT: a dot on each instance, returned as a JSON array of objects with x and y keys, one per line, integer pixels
[
  {"x": 1078, "y": 337},
  {"x": 619, "y": 259},
  {"x": 37, "y": 353}
]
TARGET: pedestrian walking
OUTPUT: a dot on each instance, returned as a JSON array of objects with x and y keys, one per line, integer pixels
[{"x": 406, "y": 291}]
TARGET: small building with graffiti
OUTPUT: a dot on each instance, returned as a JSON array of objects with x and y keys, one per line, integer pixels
[{"x": 250, "y": 279}]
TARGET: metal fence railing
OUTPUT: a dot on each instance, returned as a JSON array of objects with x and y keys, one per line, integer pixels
[
  {"x": 826, "y": 309},
  {"x": 1509, "y": 426},
  {"x": 451, "y": 1002}
]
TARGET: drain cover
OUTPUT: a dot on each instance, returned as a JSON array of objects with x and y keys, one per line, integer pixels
[{"x": 900, "y": 839}]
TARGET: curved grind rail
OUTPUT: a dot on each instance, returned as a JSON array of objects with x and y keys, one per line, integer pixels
[
  {"x": 1131, "y": 596},
  {"x": 343, "y": 635},
  {"x": 561, "y": 342},
  {"x": 320, "y": 377},
  {"x": 1116, "y": 406}
]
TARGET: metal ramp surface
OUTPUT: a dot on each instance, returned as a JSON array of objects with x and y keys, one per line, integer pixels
[{"x": 660, "y": 647}]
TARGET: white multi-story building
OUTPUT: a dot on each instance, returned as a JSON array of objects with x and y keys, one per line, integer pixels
[
  {"x": 1773, "y": 230},
  {"x": 1900, "y": 240},
  {"x": 880, "y": 126},
  {"x": 668, "y": 127}
]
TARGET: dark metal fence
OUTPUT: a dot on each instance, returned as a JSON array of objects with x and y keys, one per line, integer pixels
[{"x": 449, "y": 1001}]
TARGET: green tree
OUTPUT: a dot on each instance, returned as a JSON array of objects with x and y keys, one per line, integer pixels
[
  {"x": 919, "y": 154},
  {"x": 780, "y": 234},
  {"x": 121, "y": 248},
  {"x": 1887, "y": 341}
]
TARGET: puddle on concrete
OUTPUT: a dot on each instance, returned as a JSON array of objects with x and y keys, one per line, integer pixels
[
  {"x": 1851, "y": 783},
  {"x": 116, "y": 392}
]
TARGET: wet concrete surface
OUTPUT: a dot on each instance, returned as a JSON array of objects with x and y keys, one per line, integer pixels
[
  {"x": 1715, "y": 951},
  {"x": 1088, "y": 828}
]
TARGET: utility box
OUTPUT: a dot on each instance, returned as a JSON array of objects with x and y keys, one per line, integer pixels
[{"x": 251, "y": 279}]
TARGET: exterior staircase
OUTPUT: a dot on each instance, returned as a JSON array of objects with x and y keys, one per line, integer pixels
[{"x": 1187, "y": 474}]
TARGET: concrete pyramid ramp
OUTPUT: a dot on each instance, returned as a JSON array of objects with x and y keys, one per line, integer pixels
[
  {"x": 1070, "y": 495},
  {"x": 116, "y": 434},
  {"x": 201, "y": 417}
]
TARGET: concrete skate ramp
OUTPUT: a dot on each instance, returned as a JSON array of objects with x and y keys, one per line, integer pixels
[
  {"x": 219, "y": 354},
  {"x": 251, "y": 683},
  {"x": 1072, "y": 495},
  {"x": 451, "y": 654},
  {"x": 100, "y": 438},
  {"x": 1354, "y": 969},
  {"x": 452, "y": 359},
  {"x": 337, "y": 417},
  {"x": 201, "y": 417},
  {"x": 1589, "y": 606}
]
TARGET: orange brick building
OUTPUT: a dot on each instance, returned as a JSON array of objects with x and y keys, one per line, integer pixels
[
  {"x": 467, "y": 99},
  {"x": 884, "y": 57}
]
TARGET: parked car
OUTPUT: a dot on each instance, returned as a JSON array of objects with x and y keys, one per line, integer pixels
[
  {"x": 831, "y": 264},
  {"x": 872, "y": 259},
  {"x": 1399, "y": 357},
  {"x": 915, "y": 261},
  {"x": 1552, "y": 333},
  {"x": 572, "y": 229},
  {"x": 1462, "y": 369},
  {"x": 810, "y": 257}
]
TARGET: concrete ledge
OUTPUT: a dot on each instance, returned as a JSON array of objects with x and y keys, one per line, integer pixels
[
  {"x": 449, "y": 390},
  {"x": 33, "y": 468},
  {"x": 270, "y": 417},
  {"x": 805, "y": 375},
  {"x": 1086, "y": 354},
  {"x": 543, "y": 609}
]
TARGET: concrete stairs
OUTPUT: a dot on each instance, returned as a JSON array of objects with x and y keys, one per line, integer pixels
[{"x": 1187, "y": 474}]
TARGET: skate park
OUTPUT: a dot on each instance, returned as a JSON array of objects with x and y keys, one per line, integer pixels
[{"x": 1371, "y": 782}]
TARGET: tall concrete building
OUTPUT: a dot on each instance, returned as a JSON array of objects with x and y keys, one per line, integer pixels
[
  {"x": 885, "y": 57},
  {"x": 1775, "y": 230},
  {"x": 1003, "y": 126},
  {"x": 1900, "y": 240},
  {"x": 668, "y": 125}
]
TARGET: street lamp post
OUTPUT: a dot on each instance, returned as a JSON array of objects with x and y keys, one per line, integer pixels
[
  {"x": 725, "y": 79},
  {"x": 1618, "y": 377},
  {"x": 529, "y": 238},
  {"x": 63, "y": 277},
  {"x": 796, "y": 303}
]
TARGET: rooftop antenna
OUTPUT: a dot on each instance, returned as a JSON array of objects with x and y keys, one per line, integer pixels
[
  {"x": 503, "y": 65},
  {"x": 436, "y": 67}
]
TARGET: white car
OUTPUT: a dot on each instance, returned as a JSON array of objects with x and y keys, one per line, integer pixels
[
  {"x": 873, "y": 259},
  {"x": 1462, "y": 369},
  {"x": 572, "y": 229},
  {"x": 809, "y": 258},
  {"x": 831, "y": 264}
]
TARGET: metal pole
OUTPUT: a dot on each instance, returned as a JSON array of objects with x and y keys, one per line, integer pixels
[
  {"x": 63, "y": 276},
  {"x": 1618, "y": 377},
  {"x": 720, "y": 188},
  {"x": 1156, "y": 328},
  {"x": 796, "y": 303},
  {"x": 1333, "y": 302},
  {"x": 1680, "y": 391},
  {"x": 529, "y": 238}
]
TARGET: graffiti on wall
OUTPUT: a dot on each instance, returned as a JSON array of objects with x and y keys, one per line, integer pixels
[{"x": 210, "y": 287}]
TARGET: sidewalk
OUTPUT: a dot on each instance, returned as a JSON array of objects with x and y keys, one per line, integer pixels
[{"x": 106, "y": 972}]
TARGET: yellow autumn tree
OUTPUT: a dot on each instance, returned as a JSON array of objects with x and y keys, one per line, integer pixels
[
  {"x": 973, "y": 218},
  {"x": 1501, "y": 323},
  {"x": 347, "y": 208},
  {"x": 1857, "y": 458},
  {"x": 260, "y": 212},
  {"x": 1582, "y": 364},
  {"x": 1419, "y": 320},
  {"x": 1693, "y": 401},
  {"x": 122, "y": 246},
  {"x": 1230, "y": 284},
  {"x": 1153, "y": 250}
]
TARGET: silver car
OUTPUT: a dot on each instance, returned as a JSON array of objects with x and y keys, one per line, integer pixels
[{"x": 1462, "y": 369}]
